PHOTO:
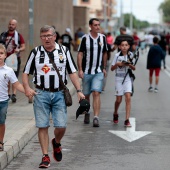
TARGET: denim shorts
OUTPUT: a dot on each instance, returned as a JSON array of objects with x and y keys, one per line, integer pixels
[
  {"x": 92, "y": 82},
  {"x": 3, "y": 111},
  {"x": 46, "y": 103}
]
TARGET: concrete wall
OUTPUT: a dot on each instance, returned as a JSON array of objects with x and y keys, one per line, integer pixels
[
  {"x": 52, "y": 12},
  {"x": 81, "y": 18}
]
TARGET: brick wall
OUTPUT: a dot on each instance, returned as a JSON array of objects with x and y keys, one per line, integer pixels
[{"x": 52, "y": 12}]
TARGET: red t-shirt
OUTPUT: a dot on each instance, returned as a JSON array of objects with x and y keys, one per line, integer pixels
[
  {"x": 136, "y": 39},
  {"x": 12, "y": 46}
]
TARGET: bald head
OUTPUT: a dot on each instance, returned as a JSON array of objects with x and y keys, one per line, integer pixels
[{"x": 12, "y": 25}]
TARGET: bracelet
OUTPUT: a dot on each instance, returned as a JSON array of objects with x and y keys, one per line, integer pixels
[{"x": 79, "y": 91}]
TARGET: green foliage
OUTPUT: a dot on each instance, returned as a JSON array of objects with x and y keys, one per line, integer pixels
[
  {"x": 137, "y": 24},
  {"x": 165, "y": 7}
]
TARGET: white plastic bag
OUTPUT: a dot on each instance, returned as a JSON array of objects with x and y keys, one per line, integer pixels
[{"x": 12, "y": 61}]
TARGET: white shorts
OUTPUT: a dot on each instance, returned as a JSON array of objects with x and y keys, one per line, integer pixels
[{"x": 121, "y": 89}]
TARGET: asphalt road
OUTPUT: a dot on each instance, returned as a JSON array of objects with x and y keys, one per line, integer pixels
[{"x": 88, "y": 148}]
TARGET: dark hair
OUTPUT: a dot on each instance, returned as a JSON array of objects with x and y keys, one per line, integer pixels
[
  {"x": 155, "y": 40},
  {"x": 92, "y": 19},
  {"x": 126, "y": 41},
  {"x": 123, "y": 28}
]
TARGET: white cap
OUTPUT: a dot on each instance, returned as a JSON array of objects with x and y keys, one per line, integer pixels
[{"x": 68, "y": 30}]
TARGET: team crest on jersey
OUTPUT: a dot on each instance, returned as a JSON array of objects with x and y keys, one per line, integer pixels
[
  {"x": 45, "y": 68},
  {"x": 100, "y": 43},
  {"x": 61, "y": 58},
  {"x": 5, "y": 76}
]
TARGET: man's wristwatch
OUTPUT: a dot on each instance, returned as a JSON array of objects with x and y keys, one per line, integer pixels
[{"x": 79, "y": 91}]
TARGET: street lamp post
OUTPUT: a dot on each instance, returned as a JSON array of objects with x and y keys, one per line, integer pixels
[
  {"x": 131, "y": 18},
  {"x": 121, "y": 14},
  {"x": 31, "y": 21},
  {"x": 105, "y": 16}
]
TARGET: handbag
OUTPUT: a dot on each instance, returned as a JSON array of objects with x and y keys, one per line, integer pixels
[
  {"x": 12, "y": 61},
  {"x": 66, "y": 92}
]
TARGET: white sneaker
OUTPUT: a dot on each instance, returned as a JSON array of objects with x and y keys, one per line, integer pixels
[
  {"x": 156, "y": 90},
  {"x": 150, "y": 89}
]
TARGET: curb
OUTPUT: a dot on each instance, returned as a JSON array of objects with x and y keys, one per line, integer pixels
[
  {"x": 17, "y": 142},
  {"x": 21, "y": 138}
]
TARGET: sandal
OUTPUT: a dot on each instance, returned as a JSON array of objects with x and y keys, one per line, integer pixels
[{"x": 1, "y": 147}]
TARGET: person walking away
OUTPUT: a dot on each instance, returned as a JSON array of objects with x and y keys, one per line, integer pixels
[
  {"x": 150, "y": 39},
  {"x": 48, "y": 95},
  {"x": 109, "y": 40},
  {"x": 168, "y": 41},
  {"x": 91, "y": 61},
  {"x": 154, "y": 57},
  {"x": 78, "y": 36},
  {"x": 136, "y": 39},
  {"x": 57, "y": 35},
  {"x": 66, "y": 39},
  {"x": 14, "y": 43},
  {"x": 123, "y": 83},
  {"x": 6, "y": 75},
  {"x": 163, "y": 44}
]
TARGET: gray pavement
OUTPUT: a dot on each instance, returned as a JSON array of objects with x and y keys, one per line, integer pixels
[{"x": 20, "y": 125}]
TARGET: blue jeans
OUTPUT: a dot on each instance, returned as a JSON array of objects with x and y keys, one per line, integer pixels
[
  {"x": 92, "y": 82},
  {"x": 3, "y": 111},
  {"x": 50, "y": 102}
]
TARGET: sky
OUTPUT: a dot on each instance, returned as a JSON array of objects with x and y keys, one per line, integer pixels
[{"x": 145, "y": 10}]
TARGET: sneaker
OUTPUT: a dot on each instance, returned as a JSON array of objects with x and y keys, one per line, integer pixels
[
  {"x": 57, "y": 154},
  {"x": 156, "y": 90},
  {"x": 45, "y": 162},
  {"x": 150, "y": 89},
  {"x": 87, "y": 118},
  {"x": 115, "y": 118},
  {"x": 96, "y": 122},
  {"x": 13, "y": 98},
  {"x": 127, "y": 123}
]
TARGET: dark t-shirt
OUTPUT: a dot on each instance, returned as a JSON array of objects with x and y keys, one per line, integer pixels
[
  {"x": 155, "y": 55},
  {"x": 66, "y": 40},
  {"x": 163, "y": 44},
  {"x": 57, "y": 37}
]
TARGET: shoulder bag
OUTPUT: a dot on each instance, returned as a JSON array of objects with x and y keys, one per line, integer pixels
[{"x": 67, "y": 95}]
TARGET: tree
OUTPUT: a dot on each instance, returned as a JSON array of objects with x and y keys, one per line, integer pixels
[
  {"x": 137, "y": 24},
  {"x": 165, "y": 7}
]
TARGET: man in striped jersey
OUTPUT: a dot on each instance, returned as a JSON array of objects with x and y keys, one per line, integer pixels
[
  {"x": 48, "y": 96},
  {"x": 91, "y": 60}
]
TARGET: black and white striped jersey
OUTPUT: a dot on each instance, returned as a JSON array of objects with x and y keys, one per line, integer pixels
[
  {"x": 93, "y": 49},
  {"x": 45, "y": 75}
]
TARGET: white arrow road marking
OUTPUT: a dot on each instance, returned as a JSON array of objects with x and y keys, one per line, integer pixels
[{"x": 130, "y": 134}]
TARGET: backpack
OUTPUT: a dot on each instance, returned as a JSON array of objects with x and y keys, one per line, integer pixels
[{"x": 3, "y": 37}]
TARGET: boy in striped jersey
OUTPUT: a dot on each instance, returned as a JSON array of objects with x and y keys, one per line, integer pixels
[{"x": 123, "y": 84}]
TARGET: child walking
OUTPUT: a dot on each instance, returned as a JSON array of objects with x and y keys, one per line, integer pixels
[
  {"x": 6, "y": 75},
  {"x": 154, "y": 58},
  {"x": 123, "y": 83}
]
